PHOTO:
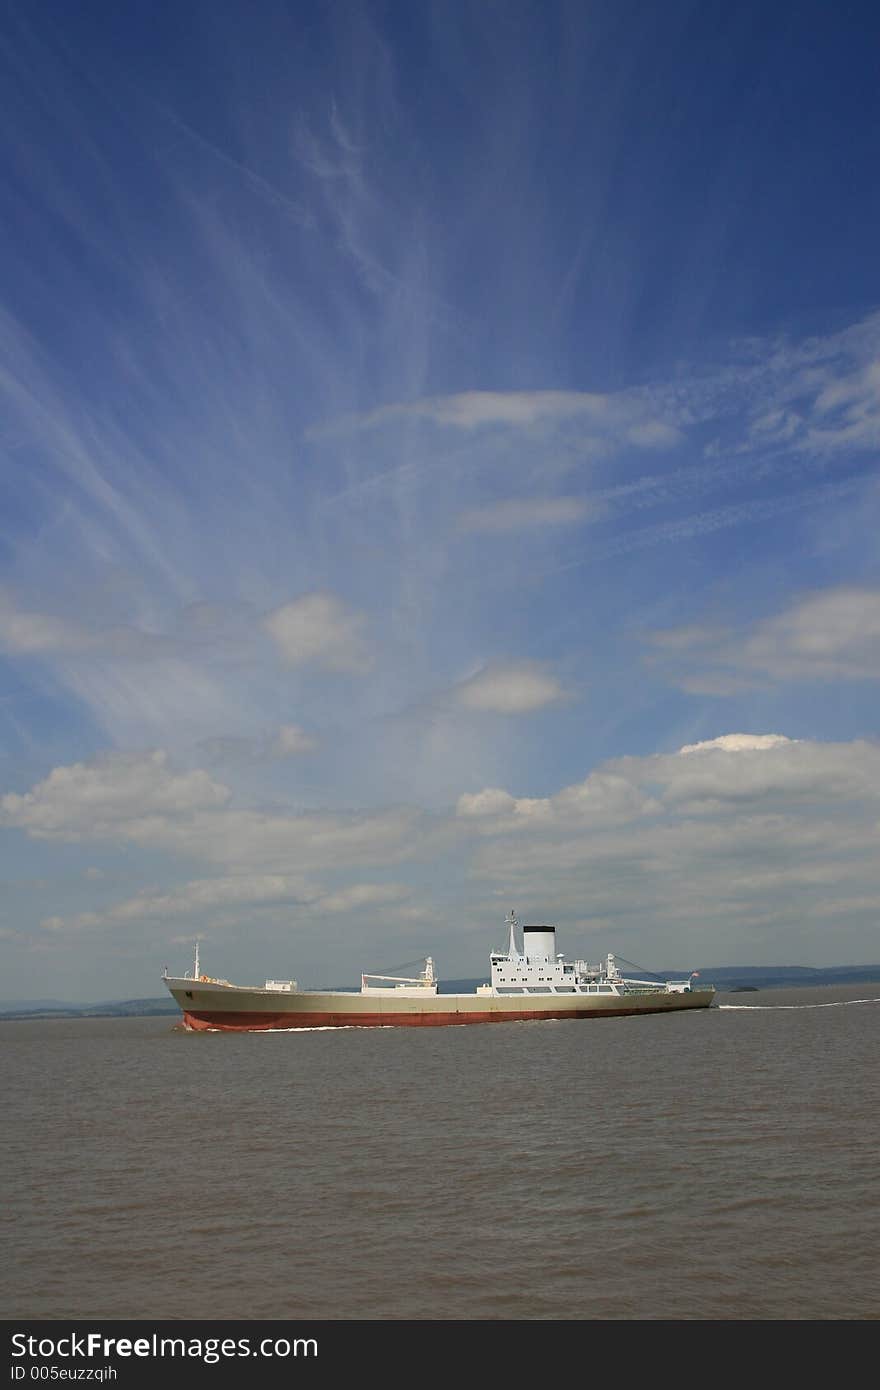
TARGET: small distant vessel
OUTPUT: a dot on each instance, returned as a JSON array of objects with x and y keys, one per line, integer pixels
[{"x": 532, "y": 983}]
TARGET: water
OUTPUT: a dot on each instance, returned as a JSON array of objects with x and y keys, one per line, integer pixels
[{"x": 712, "y": 1164}]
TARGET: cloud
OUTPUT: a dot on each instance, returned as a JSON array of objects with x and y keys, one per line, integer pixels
[
  {"x": 29, "y": 633},
  {"x": 716, "y": 683},
  {"x": 829, "y": 635},
  {"x": 737, "y": 743},
  {"x": 239, "y": 893},
  {"x": 764, "y": 769},
  {"x": 318, "y": 630},
  {"x": 654, "y": 434},
  {"x": 140, "y": 686},
  {"x": 242, "y": 891},
  {"x": 681, "y": 639},
  {"x": 255, "y": 840},
  {"x": 602, "y": 799},
  {"x": 605, "y": 422},
  {"x": 745, "y": 831},
  {"x": 847, "y": 411},
  {"x": 291, "y": 740},
  {"x": 109, "y": 797},
  {"x": 362, "y": 895},
  {"x": 474, "y": 409},
  {"x": 777, "y": 426},
  {"x": 33, "y": 634},
  {"x": 748, "y": 832},
  {"x": 491, "y": 801},
  {"x": 517, "y": 688},
  {"x": 520, "y": 514},
  {"x": 288, "y": 741},
  {"x": 139, "y": 799}
]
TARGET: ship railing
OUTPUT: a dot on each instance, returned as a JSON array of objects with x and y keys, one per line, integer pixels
[{"x": 638, "y": 987}]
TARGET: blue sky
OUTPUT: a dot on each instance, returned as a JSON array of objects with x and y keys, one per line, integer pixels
[{"x": 440, "y": 458}]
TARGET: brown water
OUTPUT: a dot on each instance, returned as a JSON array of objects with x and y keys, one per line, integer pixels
[{"x": 713, "y": 1164}]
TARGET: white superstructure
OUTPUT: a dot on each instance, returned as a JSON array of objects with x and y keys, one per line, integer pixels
[{"x": 539, "y": 969}]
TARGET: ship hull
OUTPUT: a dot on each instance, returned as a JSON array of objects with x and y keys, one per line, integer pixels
[{"x": 236, "y": 1010}]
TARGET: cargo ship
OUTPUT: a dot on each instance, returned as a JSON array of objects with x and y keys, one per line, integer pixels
[{"x": 531, "y": 982}]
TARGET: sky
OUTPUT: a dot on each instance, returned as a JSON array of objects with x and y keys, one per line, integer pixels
[{"x": 440, "y": 475}]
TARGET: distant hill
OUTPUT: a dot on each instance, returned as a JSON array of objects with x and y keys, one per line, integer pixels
[
  {"x": 723, "y": 977},
  {"x": 727, "y": 977},
  {"x": 33, "y": 1006},
  {"x": 55, "y": 1008}
]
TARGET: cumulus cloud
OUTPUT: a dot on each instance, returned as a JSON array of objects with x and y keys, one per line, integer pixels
[
  {"x": 731, "y": 768},
  {"x": 517, "y": 688},
  {"x": 108, "y": 797},
  {"x": 744, "y": 830},
  {"x": 140, "y": 800},
  {"x": 758, "y": 768},
  {"x": 748, "y": 832},
  {"x": 318, "y": 630},
  {"x": 491, "y": 801},
  {"x": 737, "y": 743},
  {"x": 601, "y": 799}
]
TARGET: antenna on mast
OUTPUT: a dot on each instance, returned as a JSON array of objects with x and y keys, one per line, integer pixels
[{"x": 196, "y": 961}]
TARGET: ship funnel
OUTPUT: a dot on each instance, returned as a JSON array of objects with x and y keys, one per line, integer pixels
[{"x": 539, "y": 943}]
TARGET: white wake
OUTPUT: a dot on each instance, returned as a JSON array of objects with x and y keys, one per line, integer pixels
[{"x": 836, "y": 1004}]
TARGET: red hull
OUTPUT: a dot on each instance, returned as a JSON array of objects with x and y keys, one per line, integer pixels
[{"x": 252, "y": 1023}]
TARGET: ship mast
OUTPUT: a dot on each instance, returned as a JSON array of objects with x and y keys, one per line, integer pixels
[
  {"x": 511, "y": 922},
  {"x": 196, "y": 961}
]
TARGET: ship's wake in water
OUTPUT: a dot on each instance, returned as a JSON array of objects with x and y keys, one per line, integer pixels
[
  {"x": 835, "y": 1004},
  {"x": 315, "y": 1028}
]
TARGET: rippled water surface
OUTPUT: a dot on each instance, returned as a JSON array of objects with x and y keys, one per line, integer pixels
[{"x": 712, "y": 1164}]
